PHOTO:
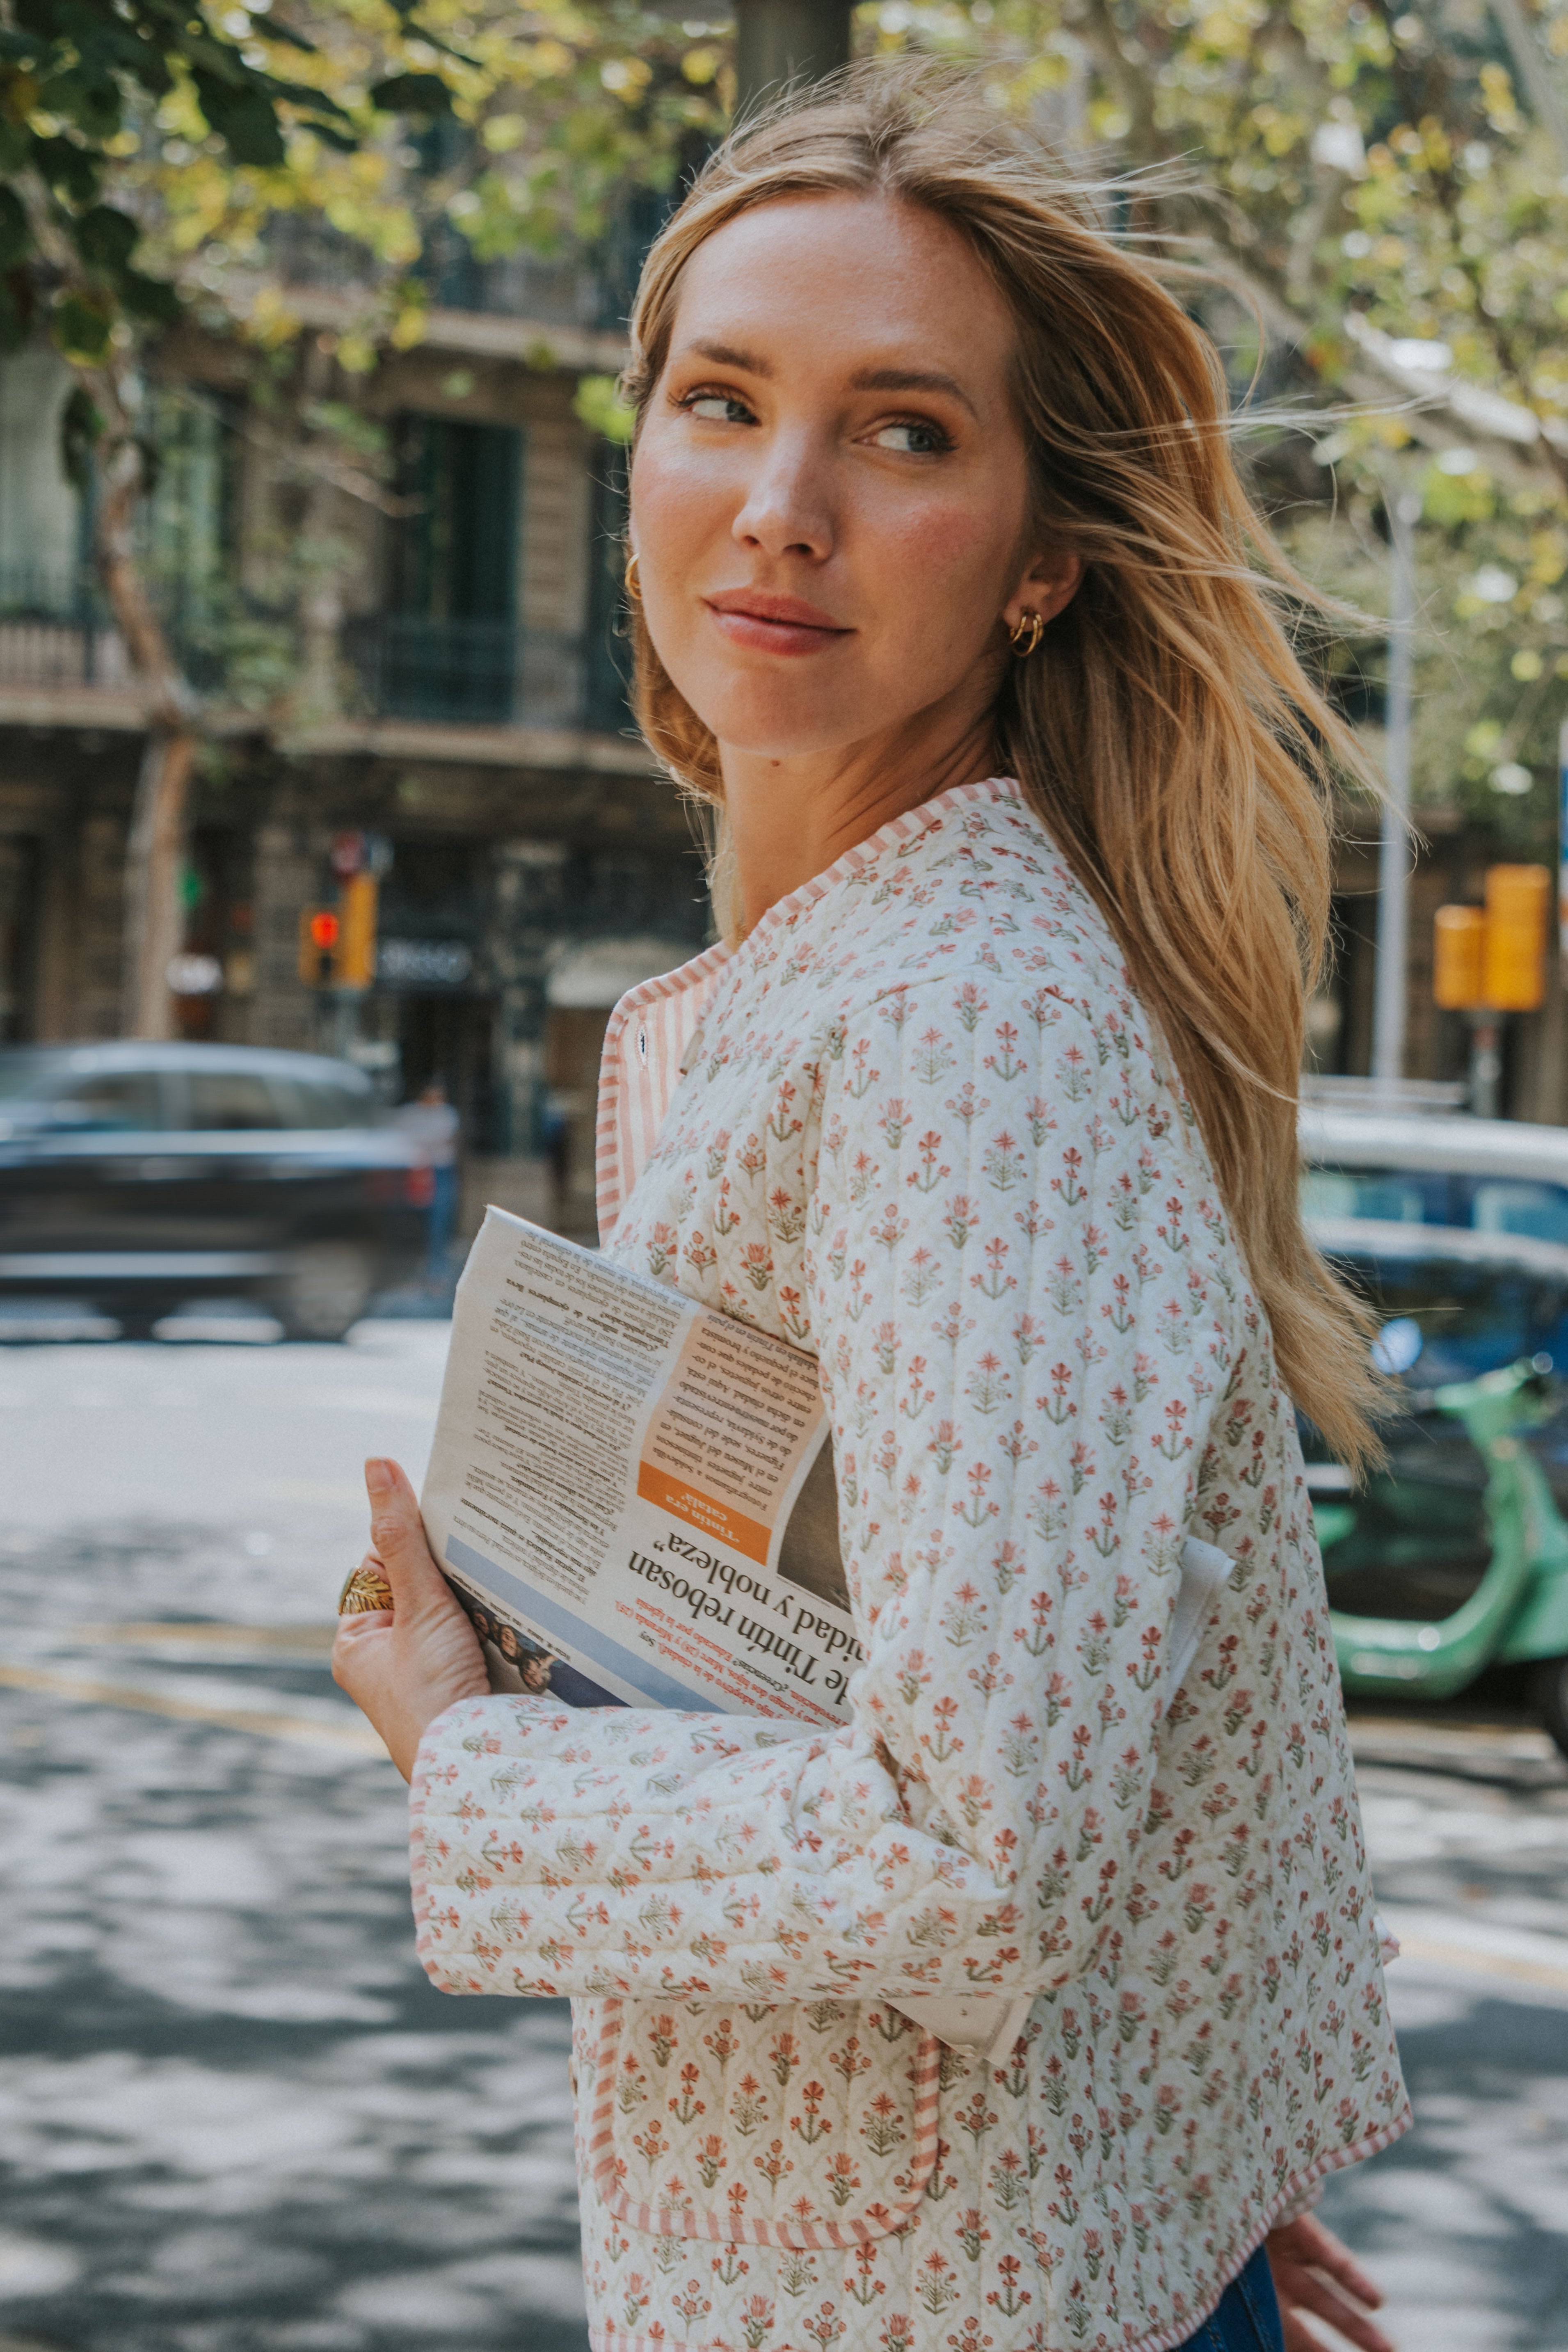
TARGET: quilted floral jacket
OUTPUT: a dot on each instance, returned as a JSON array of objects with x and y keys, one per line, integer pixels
[{"x": 918, "y": 1124}]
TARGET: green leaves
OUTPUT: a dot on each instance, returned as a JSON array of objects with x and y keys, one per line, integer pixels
[
  {"x": 72, "y": 73},
  {"x": 14, "y": 235},
  {"x": 82, "y": 325},
  {"x": 412, "y": 93},
  {"x": 67, "y": 169},
  {"x": 244, "y": 115},
  {"x": 82, "y": 429},
  {"x": 105, "y": 238}
]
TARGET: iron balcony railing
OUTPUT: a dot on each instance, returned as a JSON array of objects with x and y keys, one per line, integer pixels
[
  {"x": 485, "y": 673},
  {"x": 53, "y": 632},
  {"x": 55, "y": 635}
]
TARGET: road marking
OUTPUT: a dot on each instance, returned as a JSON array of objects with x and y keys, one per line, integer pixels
[
  {"x": 1480, "y": 1947},
  {"x": 294, "y": 1640},
  {"x": 1483, "y": 1964},
  {"x": 266, "y": 1723}
]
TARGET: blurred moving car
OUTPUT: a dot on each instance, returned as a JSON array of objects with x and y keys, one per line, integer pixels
[{"x": 138, "y": 1177}]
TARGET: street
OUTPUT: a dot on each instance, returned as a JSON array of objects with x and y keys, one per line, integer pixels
[{"x": 234, "y": 2116}]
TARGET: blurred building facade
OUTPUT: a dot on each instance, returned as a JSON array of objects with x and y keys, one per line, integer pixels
[
  {"x": 1450, "y": 860},
  {"x": 455, "y": 686},
  {"x": 452, "y": 681}
]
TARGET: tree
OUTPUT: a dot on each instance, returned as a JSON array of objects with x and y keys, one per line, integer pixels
[
  {"x": 74, "y": 76},
  {"x": 153, "y": 156},
  {"x": 1380, "y": 200}
]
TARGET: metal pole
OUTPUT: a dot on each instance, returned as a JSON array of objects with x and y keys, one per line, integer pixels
[{"x": 1394, "y": 863}]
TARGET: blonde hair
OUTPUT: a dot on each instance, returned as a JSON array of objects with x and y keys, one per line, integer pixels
[{"x": 1165, "y": 731}]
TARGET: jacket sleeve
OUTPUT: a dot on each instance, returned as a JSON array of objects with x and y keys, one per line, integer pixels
[{"x": 1021, "y": 1338}]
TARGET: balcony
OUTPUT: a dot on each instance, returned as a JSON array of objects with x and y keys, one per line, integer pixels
[
  {"x": 53, "y": 634},
  {"x": 485, "y": 674},
  {"x": 60, "y": 667}
]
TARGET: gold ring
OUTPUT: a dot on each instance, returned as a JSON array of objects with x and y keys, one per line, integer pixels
[{"x": 366, "y": 1589}]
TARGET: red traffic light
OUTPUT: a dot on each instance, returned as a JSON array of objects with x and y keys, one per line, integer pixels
[{"x": 323, "y": 930}]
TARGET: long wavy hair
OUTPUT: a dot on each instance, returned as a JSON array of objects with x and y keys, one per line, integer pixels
[{"x": 1180, "y": 755}]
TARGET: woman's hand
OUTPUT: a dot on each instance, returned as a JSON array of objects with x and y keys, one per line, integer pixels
[
  {"x": 406, "y": 1664},
  {"x": 1314, "y": 2272}
]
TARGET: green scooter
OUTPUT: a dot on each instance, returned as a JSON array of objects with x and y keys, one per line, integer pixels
[{"x": 1459, "y": 1549}]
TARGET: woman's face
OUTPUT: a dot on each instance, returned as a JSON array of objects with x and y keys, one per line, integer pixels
[{"x": 830, "y": 488}]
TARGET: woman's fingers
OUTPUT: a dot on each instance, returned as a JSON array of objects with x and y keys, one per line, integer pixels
[
  {"x": 1326, "y": 2252},
  {"x": 397, "y": 1534},
  {"x": 1315, "y": 2272},
  {"x": 1319, "y": 2296},
  {"x": 405, "y": 1665},
  {"x": 1299, "y": 2335}
]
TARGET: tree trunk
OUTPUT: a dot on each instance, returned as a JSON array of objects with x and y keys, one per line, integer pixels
[
  {"x": 154, "y": 862},
  {"x": 154, "y": 848}
]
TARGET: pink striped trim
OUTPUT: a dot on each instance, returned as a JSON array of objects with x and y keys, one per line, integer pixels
[
  {"x": 615, "y": 2339},
  {"x": 688, "y": 2221},
  {"x": 633, "y": 1099}
]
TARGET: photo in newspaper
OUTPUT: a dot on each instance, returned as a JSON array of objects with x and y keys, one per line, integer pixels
[{"x": 633, "y": 1497}]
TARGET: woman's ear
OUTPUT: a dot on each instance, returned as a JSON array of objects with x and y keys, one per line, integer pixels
[{"x": 1047, "y": 587}]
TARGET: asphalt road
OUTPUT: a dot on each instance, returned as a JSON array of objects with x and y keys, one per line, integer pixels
[{"x": 234, "y": 2116}]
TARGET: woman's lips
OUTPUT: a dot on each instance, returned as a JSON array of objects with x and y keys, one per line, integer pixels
[{"x": 774, "y": 624}]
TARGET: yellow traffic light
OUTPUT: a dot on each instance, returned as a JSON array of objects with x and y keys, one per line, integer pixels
[
  {"x": 1519, "y": 901},
  {"x": 356, "y": 938},
  {"x": 1458, "y": 949},
  {"x": 1494, "y": 960},
  {"x": 319, "y": 929}
]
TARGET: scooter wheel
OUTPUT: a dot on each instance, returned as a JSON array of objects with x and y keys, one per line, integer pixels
[{"x": 1549, "y": 1694}]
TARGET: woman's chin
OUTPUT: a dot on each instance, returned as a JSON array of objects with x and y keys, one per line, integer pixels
[{"x": 783, "y": 726}]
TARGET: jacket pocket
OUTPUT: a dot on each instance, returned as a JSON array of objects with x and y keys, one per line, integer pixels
[{"x": 809, "y": 2125}]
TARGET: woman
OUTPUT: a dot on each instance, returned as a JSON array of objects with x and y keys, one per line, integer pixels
[{"x": 987, "y": 1099}]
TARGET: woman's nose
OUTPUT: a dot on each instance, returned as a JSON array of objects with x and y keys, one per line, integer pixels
[{"x": 787, "y": 509}]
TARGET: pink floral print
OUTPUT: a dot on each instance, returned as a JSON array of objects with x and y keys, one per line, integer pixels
[{"x": 918, "y": 1125}]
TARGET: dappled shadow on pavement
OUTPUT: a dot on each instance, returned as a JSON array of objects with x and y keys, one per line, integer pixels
[{"x": 234, "y": 2116}]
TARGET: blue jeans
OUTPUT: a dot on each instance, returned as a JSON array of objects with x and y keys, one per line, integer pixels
[{"x": 1247, "y": 2319}]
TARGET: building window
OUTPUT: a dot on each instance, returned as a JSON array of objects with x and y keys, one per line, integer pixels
[
  {"x": 609, "y": 652},
  {"x": 452, "y": 649}
]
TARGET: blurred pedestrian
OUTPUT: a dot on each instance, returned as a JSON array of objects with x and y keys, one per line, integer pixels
[{"x": 431, "y": 1121}]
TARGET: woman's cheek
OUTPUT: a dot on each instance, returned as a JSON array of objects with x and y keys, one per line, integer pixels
[
  {"x": 681, "y": 503},
  {"x": 942, "y": 556}
]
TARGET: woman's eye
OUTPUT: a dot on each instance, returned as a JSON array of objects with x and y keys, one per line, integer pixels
[
  {"x": 912, "y": 438},
  {"x": 716, "y": 407}
]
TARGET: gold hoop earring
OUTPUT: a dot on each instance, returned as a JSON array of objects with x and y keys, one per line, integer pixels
[
  {"x": 1025, "y": 634},
  {"x": 634, "y": 588}
]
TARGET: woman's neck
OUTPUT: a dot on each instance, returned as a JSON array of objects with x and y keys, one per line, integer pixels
[{"x": 792, "y": 818}]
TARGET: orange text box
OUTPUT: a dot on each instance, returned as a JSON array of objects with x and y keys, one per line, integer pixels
[{"x": 748, "y": 1536}]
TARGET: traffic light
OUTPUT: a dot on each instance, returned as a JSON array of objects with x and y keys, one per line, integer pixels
[
  {"x": 356, "y": 931},
  {"x": 318, "y": 932},
  {"x": 1519, "y": 901},
  {"x": 1493, "y": 960},
  {"x": 1459, "y": 957}
]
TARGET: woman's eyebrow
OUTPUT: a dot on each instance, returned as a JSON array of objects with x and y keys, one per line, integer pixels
[
  {"x": 883, "y": 379},
  {"x": 913, "y": 380},
  {"x": 727, "y": 355}
]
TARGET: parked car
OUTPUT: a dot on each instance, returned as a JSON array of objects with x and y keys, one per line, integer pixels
[
  {"x": 1436, "y": 1199},
  {"x": 1406, "y": 1167},
  {"x": 1454, "y": 1556},
  {"x": 139, "y": 1177}
]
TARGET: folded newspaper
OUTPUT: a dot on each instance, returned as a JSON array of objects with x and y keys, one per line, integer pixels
[{"x": 633, "y": 1497}]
